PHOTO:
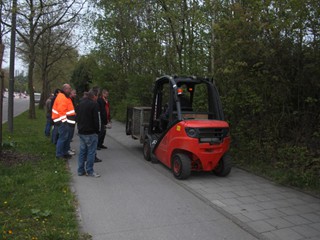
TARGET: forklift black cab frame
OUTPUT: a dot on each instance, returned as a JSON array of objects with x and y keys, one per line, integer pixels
[{"x": 175, "y": 102}]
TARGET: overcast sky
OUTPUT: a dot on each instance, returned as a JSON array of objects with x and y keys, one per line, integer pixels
[{"x": 83, "y": 47}]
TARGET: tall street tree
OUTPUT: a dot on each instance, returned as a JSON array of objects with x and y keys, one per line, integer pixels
[
  {"x": 35, "y": 18},
  {"x": 54, "y": 50}
]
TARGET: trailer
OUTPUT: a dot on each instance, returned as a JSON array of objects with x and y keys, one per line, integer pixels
[{"x": 137, "y": 122}]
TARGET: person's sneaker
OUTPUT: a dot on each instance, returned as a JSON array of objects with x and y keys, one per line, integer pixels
[
  {"x": 98, "y": 148},
  {"x": 82, "y": 174},
  {"x": 97, "y": 160},
  {"x": 94, "y": 174},
  {"x": 67, "y": 156},
  {"x": 70, "y": 152},
  {"x": 103, "y": 146}
]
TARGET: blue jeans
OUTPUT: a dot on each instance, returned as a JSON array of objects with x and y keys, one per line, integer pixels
[
  {"x": 54, "y": 135},
  {"x": 71, "y": 133},
  {"x": 48, "y": 126},
  {"x": 88, "y": 147},
  {"x": 63, "y": 140}
]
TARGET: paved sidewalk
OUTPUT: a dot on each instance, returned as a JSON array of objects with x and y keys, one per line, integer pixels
[
  {"x": 265, "y": 209},
  {"x": 273, "y": 211},
  {"x": 134, "y": 200}
]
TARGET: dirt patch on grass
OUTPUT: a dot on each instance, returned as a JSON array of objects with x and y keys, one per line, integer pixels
[{"x": 11, "y": 158}]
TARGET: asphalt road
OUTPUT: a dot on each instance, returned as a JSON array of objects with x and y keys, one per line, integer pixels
[
  {"x": 20, "y": 105},
  {"x": 132, "y": 200}
]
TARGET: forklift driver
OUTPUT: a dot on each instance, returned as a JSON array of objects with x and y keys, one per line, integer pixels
[
  {"x": 185, "y": 106},
  {"x": 184, "y": 98},
  {"x": 164, "y": 117}
]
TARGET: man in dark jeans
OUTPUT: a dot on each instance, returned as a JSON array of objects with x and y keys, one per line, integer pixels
[
  {"x": 47, "y": 129},
  {"x": 73, "y": 96},
  {"x": 54, "y": 134},
  {"x": 63, "y": 116},
  {"x": 88, "y": 122},
  {"x": 103, "y": 114}
]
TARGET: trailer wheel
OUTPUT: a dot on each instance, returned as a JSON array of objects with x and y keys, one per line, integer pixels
[
  {"x": 147, "y": 150},
  {"x": 224, "y": 166},
  {"x": 128, "y": 127},
  {"x": 181, "y": 166}
]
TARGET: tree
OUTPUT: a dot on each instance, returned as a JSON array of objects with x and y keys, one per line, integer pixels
[
  {"x": 83, "y": 74},
  {"x": 34, "y": 18},
  {"x": 55, "y": 49},
  {"x": 1, "y": 73},
  {"x": 21, "y": 83}
]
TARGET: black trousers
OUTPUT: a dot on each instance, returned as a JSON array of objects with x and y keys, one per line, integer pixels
[{"x": 101, "y": 135}]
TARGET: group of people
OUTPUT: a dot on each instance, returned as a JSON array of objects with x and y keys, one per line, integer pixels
[{"x": 91, "y": 115}]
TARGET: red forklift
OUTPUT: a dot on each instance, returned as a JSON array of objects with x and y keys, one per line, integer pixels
[{"x": 184, "y": 128}]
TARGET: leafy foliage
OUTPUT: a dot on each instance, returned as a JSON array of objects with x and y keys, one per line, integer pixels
[
  {"x": 82, "y": 75},
  {"x": 263, "y": 55}
]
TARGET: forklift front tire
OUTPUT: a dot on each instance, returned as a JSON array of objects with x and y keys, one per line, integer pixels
[{"x": 224, "y": 166}]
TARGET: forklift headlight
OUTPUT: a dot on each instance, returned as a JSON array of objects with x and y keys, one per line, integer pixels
[{"x": 192, "y": 132}]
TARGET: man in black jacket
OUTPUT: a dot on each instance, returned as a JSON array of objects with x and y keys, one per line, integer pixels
[{"x": 88, "y": 122}]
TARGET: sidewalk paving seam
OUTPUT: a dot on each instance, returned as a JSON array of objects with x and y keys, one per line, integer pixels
[{"x": 228, "y": 215}]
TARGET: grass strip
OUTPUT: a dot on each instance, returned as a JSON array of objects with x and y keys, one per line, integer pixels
[{"x": 35, "y": 197}]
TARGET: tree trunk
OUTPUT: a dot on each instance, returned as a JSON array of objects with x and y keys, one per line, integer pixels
[
  {"x": 1, "y": 92},
  {"x": 32, "y": 110},
  {"x": 45, "y": 88}
]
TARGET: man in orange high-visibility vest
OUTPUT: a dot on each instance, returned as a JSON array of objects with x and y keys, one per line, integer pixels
[{"x": 63, "y": 116}]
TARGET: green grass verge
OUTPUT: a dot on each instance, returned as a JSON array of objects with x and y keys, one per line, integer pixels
[{"x": 35, "y": 197}]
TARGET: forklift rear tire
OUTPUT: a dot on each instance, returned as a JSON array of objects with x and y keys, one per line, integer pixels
[
  {"x": 181, "y": 166},
  {"x": 154, "y": 160},
  {"x": 224, "y": 166},
  {"x": 147, "y": 150}
]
